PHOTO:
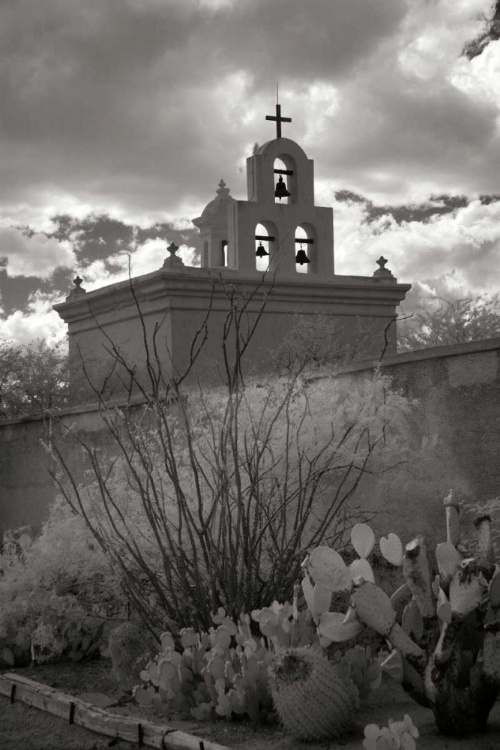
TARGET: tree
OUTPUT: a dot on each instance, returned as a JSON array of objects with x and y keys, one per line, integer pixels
[
  {"x": 209, "y": 498},
  {"x": 443, "y": 322},
  {"x": 33, "y": 378}
]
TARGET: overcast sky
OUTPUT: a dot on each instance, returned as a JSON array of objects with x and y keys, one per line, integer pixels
[{"x": 119, "y": 117}]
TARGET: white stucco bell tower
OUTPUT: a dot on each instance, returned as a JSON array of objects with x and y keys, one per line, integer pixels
[
  {"x": 229, "y": 228},
  {"x": 283, "y": 219}
]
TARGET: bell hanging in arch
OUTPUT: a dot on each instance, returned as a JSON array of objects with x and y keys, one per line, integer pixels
[
  {"x": 301, "y": 257},
  {"x": 281, "y": 191},
  {"x": 261, "y": 251}
]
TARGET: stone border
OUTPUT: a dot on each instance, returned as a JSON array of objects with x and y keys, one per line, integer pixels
[{"x": 76, "y": 711}]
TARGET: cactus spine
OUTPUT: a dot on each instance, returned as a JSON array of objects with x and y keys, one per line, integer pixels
[{"x": 314, "y": 697}]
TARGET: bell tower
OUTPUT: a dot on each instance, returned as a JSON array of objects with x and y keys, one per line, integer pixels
[{"x": 280, "y": 188}]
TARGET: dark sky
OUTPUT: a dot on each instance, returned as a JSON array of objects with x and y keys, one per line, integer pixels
[{"x": 119, "y": 117}]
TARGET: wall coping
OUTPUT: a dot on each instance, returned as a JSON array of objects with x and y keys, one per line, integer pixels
[
  {"x": 419, "y": 355},
  {"x": 86, "y": 408},
  {"x": 168, "y": 286}
]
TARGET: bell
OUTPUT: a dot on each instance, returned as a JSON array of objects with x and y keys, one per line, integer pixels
[
  {"x": 281, "y": 191},
  {"x": 301, "y": 257},
  {"x": 261, "y": 251}
]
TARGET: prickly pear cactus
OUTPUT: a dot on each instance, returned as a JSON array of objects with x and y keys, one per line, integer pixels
[
  {"x": 314, "y": 697},
  {"x": 219, "y": 673},
  {"x": 129, "y": 644},
  {"x": 443, "y": 622},
  {"x": 399, "y": 734}
]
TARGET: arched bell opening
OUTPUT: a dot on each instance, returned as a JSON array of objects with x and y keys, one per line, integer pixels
[
  {"x": 305, "y": 249},
  {"x": 283, "y": 182},
  {"x": 223, "y": 253},
  {"x": 265, "y": 242}
]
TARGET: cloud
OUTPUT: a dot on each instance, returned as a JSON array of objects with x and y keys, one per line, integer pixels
[
  {"x": 23, "y": 254},
  {"x": 36, "y": 321},
  {"x": 450, "y": 254},
  {"x": 406, "y": 124},
  {"x": 134, "y": 108},
  {"x": 141, "y": 259},
  {"x": 138, "y": 108}
]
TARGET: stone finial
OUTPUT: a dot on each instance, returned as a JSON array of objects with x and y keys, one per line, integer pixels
[
  {"x": 382, "y": 273},
  {"x": 78, "y": 289},
  {"x": 222, "y": 191},
  {"x": 173, "y": 263}
]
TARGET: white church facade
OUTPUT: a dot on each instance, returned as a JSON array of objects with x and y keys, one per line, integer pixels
[{"x": 276, "y": 243}]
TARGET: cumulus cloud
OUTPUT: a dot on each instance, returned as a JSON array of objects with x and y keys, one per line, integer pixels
[
  {"x": 449, "y": 254},
  {"x": 134, "y": 107},
  {"x": 37, "y": 321},
  {"x": 141, "y": 259},
  {"x": 23, "y": 254},
  {"x": 405, "y": 125}
]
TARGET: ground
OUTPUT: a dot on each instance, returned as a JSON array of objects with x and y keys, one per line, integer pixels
[{"x": 24, "y": 728}]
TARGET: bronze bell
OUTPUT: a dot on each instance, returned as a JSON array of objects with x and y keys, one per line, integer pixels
[
  {"x": 281, "y": 191},
  {"x": 301, "y": 257},
  {"x": 261, "y": 251}
]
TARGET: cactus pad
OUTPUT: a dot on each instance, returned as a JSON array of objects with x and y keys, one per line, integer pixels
[
  {"x": 391, "y": 548},
  {"x": 373, "y": 608},
  {"x": 362, "y": 539},
  {"x": 328, "y": 569},
  {"x": 333, "y": 627},
  {"x": 361, "y": 569}
]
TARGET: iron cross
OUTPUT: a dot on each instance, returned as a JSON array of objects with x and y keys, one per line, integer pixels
[{"x": 279, "y": 119}]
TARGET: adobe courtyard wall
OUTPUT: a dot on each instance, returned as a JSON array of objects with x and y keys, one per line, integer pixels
[{"x": 457, "y": 418}]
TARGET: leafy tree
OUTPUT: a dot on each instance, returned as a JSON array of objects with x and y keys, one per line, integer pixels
[
  {"x": 33, "y": 378},
  {"x": 441, "y": 322}
]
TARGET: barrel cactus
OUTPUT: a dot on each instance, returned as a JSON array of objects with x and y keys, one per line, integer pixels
[
  {"x": 314, "y": 697},
  {"x": 442, "y": 623}
]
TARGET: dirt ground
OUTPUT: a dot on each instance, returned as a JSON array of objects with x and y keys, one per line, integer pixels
[{"x": 25, "y": 728}]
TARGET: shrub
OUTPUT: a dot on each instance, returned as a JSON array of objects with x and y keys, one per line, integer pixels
[
  {"x": 57, "y": 592},
  {"x": 212, "y": 500}
]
